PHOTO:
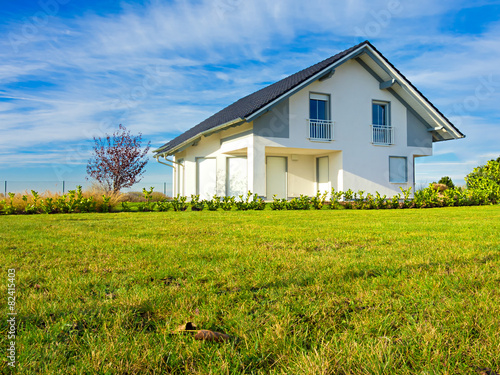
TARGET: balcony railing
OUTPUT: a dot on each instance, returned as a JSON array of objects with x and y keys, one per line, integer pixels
[
  {"x": 382, "y": 135},
  {"x": 320, "y": 130}
]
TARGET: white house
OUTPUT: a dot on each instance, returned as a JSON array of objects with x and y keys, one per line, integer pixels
[{"x": 352, "y": 121}]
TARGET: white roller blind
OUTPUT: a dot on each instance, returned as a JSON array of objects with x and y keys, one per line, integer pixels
[
  {"x": 276, "y": 177},
  {"x": 206, "y": 175},
  {"x": 237, "y": 177},
  {"x": 319, "y": 97},
  {"x": 398, "y": 169}
]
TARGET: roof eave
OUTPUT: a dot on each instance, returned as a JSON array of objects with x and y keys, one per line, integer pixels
[{"x": 166, "y": 151}]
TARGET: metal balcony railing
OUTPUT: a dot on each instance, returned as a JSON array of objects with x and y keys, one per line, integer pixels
[
  {"x": 320, "y": 130},
  {"x": 382, "y": 135}
]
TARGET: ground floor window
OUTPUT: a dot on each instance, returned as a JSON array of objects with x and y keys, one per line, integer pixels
[
  {"x": 236, "y": 176},
  {"x": 398, "y": 169}
]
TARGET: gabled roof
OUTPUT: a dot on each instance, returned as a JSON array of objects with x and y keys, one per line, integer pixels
[{"x": 252, "y": 105}]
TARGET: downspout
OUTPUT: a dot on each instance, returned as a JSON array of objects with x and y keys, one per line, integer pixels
[{"x": 171, "y": 165}]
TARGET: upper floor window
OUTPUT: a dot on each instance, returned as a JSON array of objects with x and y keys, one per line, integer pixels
[
  {"x": 382, "y": 131},
  {"x": 380, "y": 113},
  {"x": 319, "y": 107},
  {"x": 320, "y": 126}
]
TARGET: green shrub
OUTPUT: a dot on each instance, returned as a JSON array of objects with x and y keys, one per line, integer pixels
[
  {"x": 380, "y": 201},
  {"x": 369, "y": 202},
  {"x": 394, "y": 202},
  {"x": 335, "y": 198},
  {"x": 243, "y": 203},
  {"x": 227, "y": 203},
  {"x": 214, "y": 203},
  {"x": 359, "y": 199},
  {"x": 257, "y": 203},
  {"x": 196, "y": 204},
  {"x": 163, "y": 206},
  {"x": 485, "y": 181},
  {"x": 407, "y": 202},
  {"x": 318, "y": 201},
  {"x": 179, "y": 203},
  {"x": 10, "y": 209},
  {"x": 126, "y": 207},
  {"x": 348, "y": 198},
  {"x": 301, "y": 203},
  {"x": 447, "y": 181},
  {"x": 278, "y": 204},
  {"x": 106, "y": 206},
  {"x": 147, "y": 205}
]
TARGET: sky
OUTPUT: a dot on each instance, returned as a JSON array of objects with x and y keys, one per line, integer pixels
[{"x": 73, "y": 70}]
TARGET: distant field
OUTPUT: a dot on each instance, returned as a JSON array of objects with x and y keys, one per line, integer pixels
[{"x": 299, "y": 292}]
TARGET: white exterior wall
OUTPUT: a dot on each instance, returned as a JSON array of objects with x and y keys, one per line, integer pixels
[
  {"x": 212, "y": 147},
  {"x": 361, "y": 165},
  {"x": 354, "y": 162}
]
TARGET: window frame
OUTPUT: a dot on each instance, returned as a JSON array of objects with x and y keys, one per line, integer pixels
[
  {"x": 406, "y": 169},
  {"x": 387, "y": 105},
  {"x": 328, "y": 101}
]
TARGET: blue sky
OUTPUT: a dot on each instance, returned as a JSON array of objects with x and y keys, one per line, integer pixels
[{"x": 71, "y": 70}]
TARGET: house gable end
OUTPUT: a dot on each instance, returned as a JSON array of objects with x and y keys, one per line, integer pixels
[{"x": 417, "y": 133}]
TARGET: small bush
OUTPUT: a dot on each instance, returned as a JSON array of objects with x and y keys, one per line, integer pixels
[
  {"x": 179, "y": 203},
  {"x": 227, "y": 203},
  {"x": 447, "y": 181},
  {"x": 214, "y": 203},
  {"x": 278, "y": 204},
  {"x": 196, "y": 204},
  {"x": 319, "y": 200},
  {"x": 335, "y": 198}
]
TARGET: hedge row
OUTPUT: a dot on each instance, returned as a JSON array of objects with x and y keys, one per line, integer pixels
[{"x": 76, "y": 201}]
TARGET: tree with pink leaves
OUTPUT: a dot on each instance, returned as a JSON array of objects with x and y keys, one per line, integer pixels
[{"x": 118, "y": 161}]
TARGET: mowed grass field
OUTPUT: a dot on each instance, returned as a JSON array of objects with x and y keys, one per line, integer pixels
[{"x": 313, "y": 292}]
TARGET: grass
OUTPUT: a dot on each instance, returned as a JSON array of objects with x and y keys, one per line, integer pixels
[{"x": 315, "y": 292}]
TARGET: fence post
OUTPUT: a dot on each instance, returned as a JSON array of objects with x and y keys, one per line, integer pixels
[{"x": 165, "y": 188}]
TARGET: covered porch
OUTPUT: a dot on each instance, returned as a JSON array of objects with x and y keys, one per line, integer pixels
[
  {"x": 290, "y": 172},
  {"x": 281, "y": 171}
]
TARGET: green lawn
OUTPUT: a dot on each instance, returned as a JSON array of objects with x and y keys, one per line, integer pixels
[{"x": 299, "y": 292}]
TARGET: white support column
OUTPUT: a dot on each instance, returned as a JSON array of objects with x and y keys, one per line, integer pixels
[
  {"x": 174, "y": 179},
  {"x": 337, "y": 171},
  {"x": 250, "y": 163},
  {"x": 257, "y": 167}
]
